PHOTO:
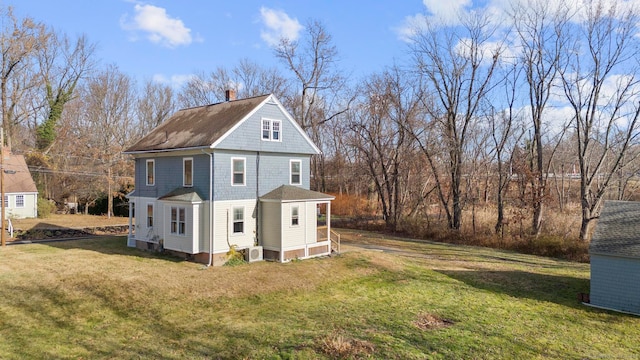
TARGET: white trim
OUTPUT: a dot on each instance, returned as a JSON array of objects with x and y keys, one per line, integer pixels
[
  {"x": 146, "y": 172},
  {"x": 610, "y": 309},
  {"x": 233, "y": 220},
  {"x": 294, "y": 123},
  {"x": 291, "y": 161},
  {"x": 15, "y": 201},
  {"x": 271, "y": 122},
  {"x": 146, "y": 215},
  {"x": 322, "y": 200},
  {"x": 244, "y": 171},
  {"x": 177, "y": 232},
  {"x": 291, "y": 224},
  {"x": 234, "y": 127},
  {"x": 184, "y": 160},
  {"x": 270, "y": 98},
  {"x": 137, "y": 152}
]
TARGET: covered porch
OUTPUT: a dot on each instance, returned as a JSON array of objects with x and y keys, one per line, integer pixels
[{"x": 292, "y": 225}]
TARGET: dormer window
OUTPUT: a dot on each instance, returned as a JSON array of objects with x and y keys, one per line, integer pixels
[{"x": 271, "y": 130}]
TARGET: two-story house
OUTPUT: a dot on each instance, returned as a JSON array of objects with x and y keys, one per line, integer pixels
[{"x": 234, "y": 173}]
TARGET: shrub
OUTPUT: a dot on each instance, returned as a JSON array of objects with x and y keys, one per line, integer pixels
[
  {"x": 234, "y": 257},
  {"x": 45, "y": 208}
]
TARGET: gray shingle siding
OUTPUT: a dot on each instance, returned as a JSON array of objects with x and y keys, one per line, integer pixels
[
  {"x": 615, "y": 283},
  {"x": 168, "y": 175},
  {"x": 248, "y": 136},
  {"x": 263, "y": 171}
]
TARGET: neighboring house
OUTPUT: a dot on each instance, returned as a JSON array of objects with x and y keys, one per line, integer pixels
[
  {"x": 615, "y": 258},
  {"x": 234, "y": 173},
  {"x": 20, "y": 192}
]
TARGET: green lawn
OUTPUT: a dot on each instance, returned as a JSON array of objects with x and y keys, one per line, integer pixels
[{"x": 99, "y": 299}]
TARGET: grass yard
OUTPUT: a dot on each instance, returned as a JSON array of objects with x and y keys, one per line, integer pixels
[
  {"x": 99, "y": 299},
  {"x": 55, "y": 221}
]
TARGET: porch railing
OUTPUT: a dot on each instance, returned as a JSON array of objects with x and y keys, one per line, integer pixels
[
  {"x": 335, "y": 241},
  {"x": 334, "y": 237}
]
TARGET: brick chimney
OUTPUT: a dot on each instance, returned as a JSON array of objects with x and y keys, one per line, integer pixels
[{"x": 230, "y": 95}]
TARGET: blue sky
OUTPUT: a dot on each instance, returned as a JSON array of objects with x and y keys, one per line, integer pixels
[{"x": 167, "y": 40}]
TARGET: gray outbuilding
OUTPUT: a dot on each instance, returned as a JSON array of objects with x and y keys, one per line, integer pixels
[{"x": 615, "y": 258}]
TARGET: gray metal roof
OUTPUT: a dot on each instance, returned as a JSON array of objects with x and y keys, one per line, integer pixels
[
  {"x": 287, "y": 193},
  {"x": 182, "y": 194},
  {"x": 197, "y": 127},
  {"x": 618, "y": 230}
]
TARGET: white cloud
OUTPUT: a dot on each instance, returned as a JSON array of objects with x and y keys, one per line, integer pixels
[
  {"x": 450, "y": 12},
  {"x": 278, "y": 25},
  {"x": 447, "y": 11},
  {"x": 175, "y": 81},
  {"x": 158, "y": 26}
]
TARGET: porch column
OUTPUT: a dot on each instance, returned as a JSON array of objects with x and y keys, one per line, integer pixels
[
  {"x": 130, "y": 240},
  {"x": 329, "y": 222}
]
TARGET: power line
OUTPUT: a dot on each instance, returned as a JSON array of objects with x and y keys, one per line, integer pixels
[{"x": 68, "y": 172}]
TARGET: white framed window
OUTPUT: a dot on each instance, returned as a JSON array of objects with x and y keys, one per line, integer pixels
[
  {"x": 238, "y": 171},
  {"x": 295, "y": 215},
  {"x": 295, "y": 172},
  {"x": 19, "y": 201},
  {"x": 151, "y": 172},
  {"x": 271, "y": 130},
  {"x": 182, "y": 221},
  {"x": 178, "y": 220},
  {"x": 238, "y": 220},
  {"x": 149, "y": 215},
  {"x": 187, "y": 172},
  {"x": 266, "y": 130},
  {"x": 275, "y": 130}
]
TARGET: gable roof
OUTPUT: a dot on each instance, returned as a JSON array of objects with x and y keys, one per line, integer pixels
[
  {"x": 289, "y": 193},
  {"x": 197, "y": 127},
  {"x": 205, "y": 126},
  {"x": 618, "y": 230},
  {"x": 17, "y": 178}
]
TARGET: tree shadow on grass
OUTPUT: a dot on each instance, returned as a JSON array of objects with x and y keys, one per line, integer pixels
[
  {"x": 562, "y": 290},
  {"x": 110, "y": 245}
]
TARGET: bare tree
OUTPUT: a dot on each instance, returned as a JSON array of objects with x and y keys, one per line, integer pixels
[
  {"x": 319, "y": 86},
  {"x": 108, "y": 123},
  {"x": 19, "y": 40},
  {"x": 155, "y": 104},
  {"x": 62, "y": 65},
  {"x": 541, "y": 31},
  {"x": 601, "y": 84},
  {"x": 380, "y": 134},
  {"x": 506, "y": 132},
  {"x": 458, "y": 69},
  {"x": 247, "y": 78}
]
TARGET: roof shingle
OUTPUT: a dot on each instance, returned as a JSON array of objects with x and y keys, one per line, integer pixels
[
  {"x": 197, "y": 127},
  {"x": 618, "y": 230},
  {"x": 293, "y": 193},
  {"x": 17, "y": 178}
]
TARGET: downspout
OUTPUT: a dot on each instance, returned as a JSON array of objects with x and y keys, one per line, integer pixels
[
  {"x": 211, "y": 213},
  {"x": 257, "y": 240}
]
